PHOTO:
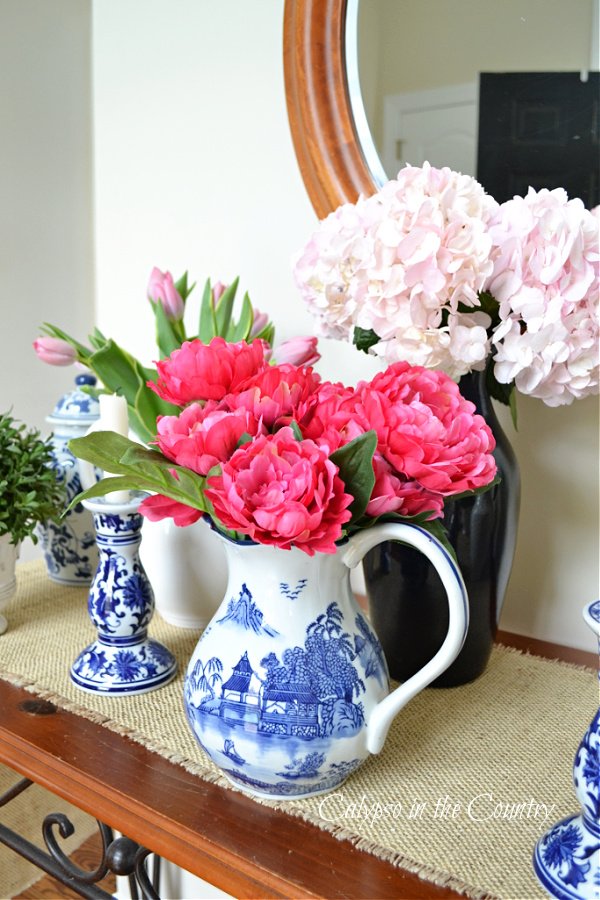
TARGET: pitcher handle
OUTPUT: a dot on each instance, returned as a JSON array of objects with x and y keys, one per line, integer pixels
[{"x": 381, "y": 717}]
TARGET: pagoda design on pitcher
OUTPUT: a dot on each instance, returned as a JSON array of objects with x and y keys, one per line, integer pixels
[{"x": 312, "y": 691}]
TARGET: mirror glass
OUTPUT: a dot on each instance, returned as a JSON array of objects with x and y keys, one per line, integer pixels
[{"x": 414, "y": 70}]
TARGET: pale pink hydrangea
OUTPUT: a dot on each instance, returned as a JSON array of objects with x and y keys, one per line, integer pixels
[
  {"x": 401, "y": 263},
  {"x": 546, "y": 281},
  {"x": 330, "y": 270}
]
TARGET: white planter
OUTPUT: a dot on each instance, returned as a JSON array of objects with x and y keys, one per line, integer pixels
[
  {"x": 9, "y": 554},
  {"x": 187, "y": 569}
]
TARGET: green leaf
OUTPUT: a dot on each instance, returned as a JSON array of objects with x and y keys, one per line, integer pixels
[
  {"x": 364, "y": 338},
  {"x": 240, "y": 331},
  {"x": 138, "y": 426},
  {"x": 136, "y": 455},
  {"x": 181, "y": 286},
  {"x": 167, "y": 337},
  {"x": 297, "y": 433},
  {"x": 504, "y": 393},
  {"x": 29, "y": 490},
  {"x": 355, "y": 462},
  {"x": 103, "y": 487},
  {"x": 489, "y": 305},
  {"x": 482, "y": 490},
  {"x": 436, "y": 528},
  {"x": 144, "y": 470},
  {"x": 148, "y": 407},
  {"x": 267, "y": 334},
  {"x": 208, "y": 323},
  {"x": 97, "y": 339},
  {"x": 225, "y": 308},
  {"x": 103, "y": 449},
  {"x": 245, "y": 438},
  {"x": 117, "y": 370}
]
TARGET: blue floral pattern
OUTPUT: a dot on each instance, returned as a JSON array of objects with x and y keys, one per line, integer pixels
[
  {"x": 123, "y": 660},
  {"x": 566, "y": 859},
  {"x": 69, "y": 546}
]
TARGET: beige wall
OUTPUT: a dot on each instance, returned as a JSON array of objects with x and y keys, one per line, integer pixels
[
  {"x": 194, "y": 167},
  {"x": 410, "y": 45},
  {"x": 46, "y": 241}
]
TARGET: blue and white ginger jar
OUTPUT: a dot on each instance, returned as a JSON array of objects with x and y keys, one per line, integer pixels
[{"x": 69, "y": 545}]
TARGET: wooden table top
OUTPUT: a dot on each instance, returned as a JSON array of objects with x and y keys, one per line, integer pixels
[{"x": 242, "y": 847}]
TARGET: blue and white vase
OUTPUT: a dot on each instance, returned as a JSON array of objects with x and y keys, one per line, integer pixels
[
  {"x": 69, "y": 545},
  {"x": 123, "y": 659},
  {"x": 566, "y": 859},
  {"x": 288, "y": 689}
]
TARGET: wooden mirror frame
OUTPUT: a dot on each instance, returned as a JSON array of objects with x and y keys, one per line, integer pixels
[{"x": 327, "y": 147}]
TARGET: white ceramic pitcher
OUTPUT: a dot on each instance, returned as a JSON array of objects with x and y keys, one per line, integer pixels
[{"x": 288, "y": 689}]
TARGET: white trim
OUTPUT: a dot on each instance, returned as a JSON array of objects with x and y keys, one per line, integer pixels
[
  {"x": 394, "y": 105},
  {"x": 356, "y": 100}
]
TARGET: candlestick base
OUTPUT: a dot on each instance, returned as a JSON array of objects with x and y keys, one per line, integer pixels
[
  {"x": 122, "y": 660},
  {"x": 127, "y": 667},
  {"x": 566, "y": 859}
]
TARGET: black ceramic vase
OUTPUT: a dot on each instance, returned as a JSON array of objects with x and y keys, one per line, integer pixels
[{"x": 407, "y": 601}]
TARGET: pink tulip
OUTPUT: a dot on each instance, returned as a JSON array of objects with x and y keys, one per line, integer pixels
[
  {"x": 161, "y": 289},
  {"x": 259, "y": 321},
  {"x": 55, "y": 351},
  {"x": 218, "y": 291},
  {"x": 299, "y": 351}
]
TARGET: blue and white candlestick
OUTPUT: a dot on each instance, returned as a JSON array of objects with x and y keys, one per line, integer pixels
[
  {"x": 122, "y": 660},
  {"x": 567, "y": 858}
]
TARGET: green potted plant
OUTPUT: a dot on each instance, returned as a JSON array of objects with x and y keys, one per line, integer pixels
[{"x": 29, "y": 494}]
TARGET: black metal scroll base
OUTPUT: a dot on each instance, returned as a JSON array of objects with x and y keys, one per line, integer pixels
[{"x": 120, "y": 855}]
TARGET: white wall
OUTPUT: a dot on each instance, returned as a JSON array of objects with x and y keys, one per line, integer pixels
[
  {"x": 46, "y": 246},
  {"x": 400, "y": 51},
  {"x": 194, "y": 162},
  {"x": 194, "y": 168}
]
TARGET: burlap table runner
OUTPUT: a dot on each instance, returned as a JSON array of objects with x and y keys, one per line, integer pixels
[{"x": 468, "y": 780}]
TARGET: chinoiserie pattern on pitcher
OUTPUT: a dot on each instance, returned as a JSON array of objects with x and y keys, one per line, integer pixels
[{"x": 280, "y": 686}]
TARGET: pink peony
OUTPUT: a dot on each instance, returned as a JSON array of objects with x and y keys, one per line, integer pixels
[
  {"x": 55, "y": 351},
  {"x": 280, "y": 491},
  {"x": 331, "y": 417},
  {"x": 394, "y": 494},
  {"x": 427, "y": 431},
  {"x": 201, "y": 437},
  {"x": 276, "y": 394},
  {"x": 158, "y": 507},
  {"x": 161, "y": 289},
  {"x": 198, "y": 372},
  {"x": 546, "y": 280}
]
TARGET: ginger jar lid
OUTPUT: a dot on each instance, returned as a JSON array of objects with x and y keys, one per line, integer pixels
[{"x": 77, "y": 407}]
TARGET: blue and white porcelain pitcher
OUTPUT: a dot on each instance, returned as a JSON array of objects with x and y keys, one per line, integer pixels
[{"x": 288, "y": 689}]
